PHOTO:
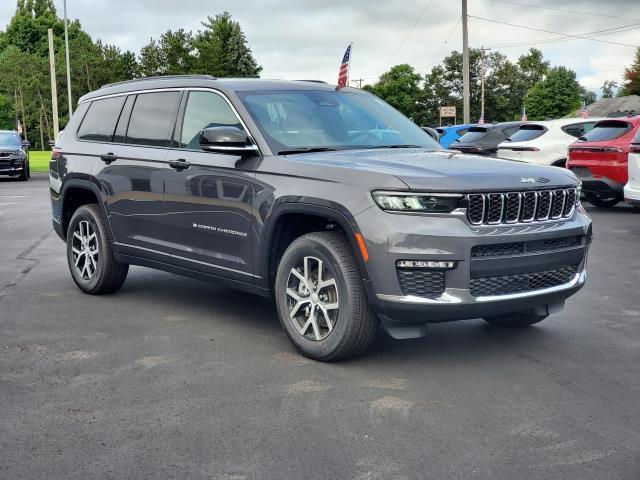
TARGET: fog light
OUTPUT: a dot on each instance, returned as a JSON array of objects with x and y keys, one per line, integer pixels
[{"x": 435, "y": 265}]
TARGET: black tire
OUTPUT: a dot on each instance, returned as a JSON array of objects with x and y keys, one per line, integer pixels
[
  {"x": 515, "y": 320},
  {"x": 355, "y": 324},
  {"x": 600, "y": 201},
  {"x": 24, "y": 176},
  {"x": 108, "y": 275}
]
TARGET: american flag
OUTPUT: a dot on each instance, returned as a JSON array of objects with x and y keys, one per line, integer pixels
[
  {"x": 584, "y": 113},
  {"x": 524, "y": 115},
  {"x": 343, "y": 75},
  {"x": 481, "y": 120}
]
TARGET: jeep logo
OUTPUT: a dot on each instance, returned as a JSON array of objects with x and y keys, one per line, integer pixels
[{"x": 527, "y": 180}]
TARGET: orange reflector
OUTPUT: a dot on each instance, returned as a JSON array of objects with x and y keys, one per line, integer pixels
[{"x": 363, "y": 247}]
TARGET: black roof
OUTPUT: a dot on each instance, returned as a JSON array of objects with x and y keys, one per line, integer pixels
[{"x": 207, "y": 81}]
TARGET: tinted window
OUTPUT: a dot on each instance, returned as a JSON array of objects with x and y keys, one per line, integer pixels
[
  {"x": 507, "y": 132},
  {"x": 474, "y": 134},
  {"x": 100, "y": 121},
  {"x": 205, "y": 109},
  {"x": 527, "y": 132},
  {"x": 578, "y": 129},
  {"x": 123, "y": 122},
  {"x": 152, "y": 118},
  {"x": 637, "y": 137},
  {"x": 607, "y": 130},
  {"x": 462, "y": 131}
]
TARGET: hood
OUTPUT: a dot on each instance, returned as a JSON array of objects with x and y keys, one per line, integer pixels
[
  {"x": 445, "y": 170},
  {"x": 11, "y": 148}
]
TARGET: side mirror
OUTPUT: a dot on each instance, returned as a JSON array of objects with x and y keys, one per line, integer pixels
[
  {"x": 229, "y": 140},
  {"x": 26, "y": 144}
]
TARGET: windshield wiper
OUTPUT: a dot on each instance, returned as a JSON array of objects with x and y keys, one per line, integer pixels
[
  {"x": 307, "y": 150},
  {"x": 395, "y": 146}
]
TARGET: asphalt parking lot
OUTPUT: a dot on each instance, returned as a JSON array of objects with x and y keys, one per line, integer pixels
[{"x": 173, "y": 378}]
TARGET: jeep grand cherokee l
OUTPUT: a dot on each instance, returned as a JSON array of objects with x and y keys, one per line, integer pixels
[
  {"x": 326, "y": 199},
  {"x": 14, "y": 155}
]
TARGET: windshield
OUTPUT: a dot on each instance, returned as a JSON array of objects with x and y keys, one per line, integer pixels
[
  {"x": 9, "y": 139},
  {"x": 302, "y": 120},
  {"x": 474, "y": 134}
]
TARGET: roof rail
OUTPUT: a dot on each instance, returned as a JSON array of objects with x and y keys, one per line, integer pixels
[
  {"x": 161, "y": 77},
  {"x": 312, "y": 81}
]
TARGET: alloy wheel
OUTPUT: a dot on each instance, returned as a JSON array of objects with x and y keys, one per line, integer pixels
[
  {"x": 85, "y": 250},
  {"x": 312, "y": 299}
]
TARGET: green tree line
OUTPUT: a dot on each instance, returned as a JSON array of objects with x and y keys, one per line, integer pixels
[{"x": 219, "y": 48}]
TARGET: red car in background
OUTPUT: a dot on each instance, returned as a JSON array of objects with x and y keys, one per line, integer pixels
[{"x": 600, "y": 159}]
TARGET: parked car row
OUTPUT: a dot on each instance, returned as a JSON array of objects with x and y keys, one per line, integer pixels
[{"x": 603, "y": 152}]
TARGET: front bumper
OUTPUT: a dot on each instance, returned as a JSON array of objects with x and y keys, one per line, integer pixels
[{"x": 451, "y": 238}]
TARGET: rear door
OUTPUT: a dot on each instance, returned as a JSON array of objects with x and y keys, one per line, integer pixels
[
  {"x": 134, "y": 172},
  {"x": 209, "y": 200}
]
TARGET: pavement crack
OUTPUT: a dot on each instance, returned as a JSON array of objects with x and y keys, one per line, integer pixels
[{"x": 25, "y": 255}]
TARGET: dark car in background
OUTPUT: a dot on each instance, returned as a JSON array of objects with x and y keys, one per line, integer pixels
[
  {"x": 451, "y": 133},
  {"x": 600, "y": 158},
  {"x": 14, "y": 155},
  {"x": 484, "y": 139}
]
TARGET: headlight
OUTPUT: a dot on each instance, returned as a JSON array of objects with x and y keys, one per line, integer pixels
[{"x": 416, "y": 202}]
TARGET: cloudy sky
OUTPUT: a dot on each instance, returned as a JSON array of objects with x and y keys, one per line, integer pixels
[{"x": 306, "y": 38}]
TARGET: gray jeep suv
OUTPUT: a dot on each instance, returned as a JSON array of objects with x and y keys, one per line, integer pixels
[{"x": 326, "y": 199}]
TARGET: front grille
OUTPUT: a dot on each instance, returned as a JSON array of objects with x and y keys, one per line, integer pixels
[
  {"x": 516, "y": 207},
  {"x": 522, "y": 282},
  {"x": 497, "y": 250},
  {"x": 422, "y": 283},
  {"x": 5, "y": 154},
  {"x": 563, "y": 242}
]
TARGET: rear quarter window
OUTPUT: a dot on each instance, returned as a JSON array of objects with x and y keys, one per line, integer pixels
[
  {"x": 100, "y": 120},
  {"x": 577, "y": 130},
  {"x": 474, "y": 134},
  {"x": 607, "y": 130},
  {"x": 528, "y": 132}
]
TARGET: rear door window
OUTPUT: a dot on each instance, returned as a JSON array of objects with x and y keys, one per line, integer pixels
[
  {"x": 528, "y": 132},
  {"x": 152, "y": 118},
  {"x": 474, "y": 134},
  {"x": 100, "y": 120},
  {"x": 509, "y": 131},
  {"x": 607, "y": 130}
]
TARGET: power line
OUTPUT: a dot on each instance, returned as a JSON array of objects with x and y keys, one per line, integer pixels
[
  {"x": 455, "y": 27},
  {"x": 409, "y": 31},
  {"x": 564, "y": 38},
  {"x": 552, "y": 32},
  {"x": 576, "y": 12}
]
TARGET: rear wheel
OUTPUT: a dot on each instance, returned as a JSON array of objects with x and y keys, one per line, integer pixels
[
  {"x": 603, "y": 200},
  {"x": 320, "y": 298},
  {"x": 90, "y": 254},
  {"x": 515, "y": 320}
]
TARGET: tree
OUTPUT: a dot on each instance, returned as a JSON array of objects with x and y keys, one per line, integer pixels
[
  {"x": 609, "y": 89},
  {"x": 632, "y": 76},
  {"x": 222, "y": 49},
  {"x": 399, "y": 87},
  {"x": 556, "y": 96}
]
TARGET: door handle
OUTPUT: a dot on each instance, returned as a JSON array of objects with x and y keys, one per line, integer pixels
[
  {"x": 180, "y": 164},
  {"x": 108, "y": 157}
]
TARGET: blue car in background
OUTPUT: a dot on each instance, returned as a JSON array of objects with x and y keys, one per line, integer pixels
[{"x": 450, "y": 134}]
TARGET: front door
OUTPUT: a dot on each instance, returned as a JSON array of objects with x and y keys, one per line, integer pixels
[{"x": 209, "y": 196}]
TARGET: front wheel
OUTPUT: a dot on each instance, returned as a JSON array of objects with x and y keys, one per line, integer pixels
[
  {"x": 321, "y": 301},
  {"x": 24, "y": 175},
  {"x": 515, "y": 320},
  {"x": 90, "y": 254},
  {"x": 602, "y": 201}
]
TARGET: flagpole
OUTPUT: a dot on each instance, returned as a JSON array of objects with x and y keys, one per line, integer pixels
[
  {"x": 66, "y": 47},
  {"x": 350, "y": 60}
]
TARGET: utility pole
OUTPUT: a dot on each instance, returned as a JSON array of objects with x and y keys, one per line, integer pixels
[
  {"x": 482, "y": 82},
  {"x": 466, "y": 115},
  {"x": 66, "y": 47},
  {"x": 54, "y": 90},
  {"x": 358, "y": 81}
]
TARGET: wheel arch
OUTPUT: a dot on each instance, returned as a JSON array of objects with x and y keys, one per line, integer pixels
[
  {"x": 74, "y": 194},
  {"x": 290, "y": 220}
]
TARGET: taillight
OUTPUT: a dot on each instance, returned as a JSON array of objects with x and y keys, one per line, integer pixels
[
  {"x": 55, "y": 153},
  {"x": 634, "y": 148},
  {"x": 613, "y": 150}
]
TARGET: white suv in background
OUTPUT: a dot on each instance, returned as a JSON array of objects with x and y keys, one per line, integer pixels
[
  {"x": 545, "y": 142},
  {"x": 632, "y": 188}
]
